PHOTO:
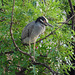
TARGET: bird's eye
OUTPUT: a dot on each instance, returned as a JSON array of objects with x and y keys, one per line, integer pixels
[{"x": 44, "y": 21}]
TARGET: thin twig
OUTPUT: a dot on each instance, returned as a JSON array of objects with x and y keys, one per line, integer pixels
[
  {"x": 37, "y": 63},
  {"x": 63, "y": 23}
]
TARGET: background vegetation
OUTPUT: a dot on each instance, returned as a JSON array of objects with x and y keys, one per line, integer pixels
[{"x": 56, "y": 51}]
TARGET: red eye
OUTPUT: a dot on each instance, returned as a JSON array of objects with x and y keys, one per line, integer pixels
[{"x": 44, "y": 21}]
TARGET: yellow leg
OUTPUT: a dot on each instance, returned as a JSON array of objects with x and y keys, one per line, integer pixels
[
  {"x": 29, "y": 47},
  {"x": 34, "y": 51}
]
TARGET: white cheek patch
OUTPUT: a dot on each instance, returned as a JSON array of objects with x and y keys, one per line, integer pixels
[
  {"x": 41, "y": 20},
  {"x": 45, "y": 18}
]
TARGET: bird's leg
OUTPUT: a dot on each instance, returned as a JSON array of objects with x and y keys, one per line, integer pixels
[
  {"x": 29, "y": 47},
  {"x": 34, "y": 51}
]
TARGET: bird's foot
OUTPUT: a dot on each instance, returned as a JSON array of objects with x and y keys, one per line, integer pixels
[
  {"x": 33, "y": 58},
  {"x": 30, "y": 53}
]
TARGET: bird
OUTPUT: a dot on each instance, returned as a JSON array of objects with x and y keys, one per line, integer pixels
[{"x": 33, "y": 30}]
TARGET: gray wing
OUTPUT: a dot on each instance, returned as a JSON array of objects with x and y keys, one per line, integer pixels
[{"x": 27, "y": 30}]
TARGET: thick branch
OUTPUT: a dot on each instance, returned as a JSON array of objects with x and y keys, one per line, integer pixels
[
  {"x": 71, "y": 7},
  {"x": 72, "y": 12}
]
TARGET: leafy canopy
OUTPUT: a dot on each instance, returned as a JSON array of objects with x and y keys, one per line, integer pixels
[{"x": 56, "y": 46}]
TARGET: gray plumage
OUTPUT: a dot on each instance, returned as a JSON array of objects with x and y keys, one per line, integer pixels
[{"x": 32, "y": 31}]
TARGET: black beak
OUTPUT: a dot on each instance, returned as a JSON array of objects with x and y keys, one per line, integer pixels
[{"x": 47, "y": 24}]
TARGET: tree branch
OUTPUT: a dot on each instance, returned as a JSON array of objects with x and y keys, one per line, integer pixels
[
  {"x": 64, "y": 23},
  {"x": 37, "y": 63},
  {"x": 72, "y": 12},
  {"x": 71, "y": 7}
]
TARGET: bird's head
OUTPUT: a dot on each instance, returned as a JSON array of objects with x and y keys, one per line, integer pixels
[{"x": 43, "y": 20}]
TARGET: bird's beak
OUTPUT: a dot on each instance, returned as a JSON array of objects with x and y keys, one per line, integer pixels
[{"x": 47, "y": 24}]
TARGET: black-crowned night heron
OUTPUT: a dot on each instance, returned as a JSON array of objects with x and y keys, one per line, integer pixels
[{"x": 31, "y": 32}]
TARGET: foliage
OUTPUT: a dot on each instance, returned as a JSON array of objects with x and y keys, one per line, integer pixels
[{"x": 57, "y": 46}]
